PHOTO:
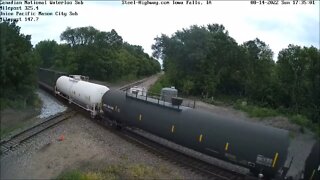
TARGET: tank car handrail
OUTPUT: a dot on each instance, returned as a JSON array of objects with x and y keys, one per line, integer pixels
[
  {"x": 79, "y": 78},
  {"x": 184, "y": 104},
  {"x": 154, "y": 100}
]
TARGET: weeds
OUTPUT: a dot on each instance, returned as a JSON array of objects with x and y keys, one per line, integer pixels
[
  {"x": 113, "y": 172},
  {"x": 263, "y": 112},
  {"x": 255, "y": 111},
  {"x": 159, "y": 84},
  {"x": 300, "y": 120},
  {"x": 72, "y": 175},
  {"x": 139, "y": 171}
]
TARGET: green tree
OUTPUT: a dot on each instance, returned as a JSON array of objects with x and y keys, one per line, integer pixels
[
  {"x": 206, "y": 61},
  {"x": 104, "y": 55},
  {"x": 65, "y": 59},
  {"x": 312, "y": 75},
  {"x": 298, "y": 71},
  {"x": 291, "y": 67},
  {"x": 259, "y": 71},
  {"x": 47, "y": 51},
  {"x": 79, "y": 36},
  {"x": 199, "y": 60},
  {"x": 18, "y": 67}
]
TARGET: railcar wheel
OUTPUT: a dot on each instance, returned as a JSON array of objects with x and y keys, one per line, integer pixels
[
  {"x": 260, "y": 176},
  {"x": 255, "y": 172},
  {"x": 92, "y": 115},
  {"x": 119, "y": 127}
]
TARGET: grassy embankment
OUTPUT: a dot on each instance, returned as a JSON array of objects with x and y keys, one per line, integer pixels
[
  {"x": 262, "y": 112},
  {"x": 17, "y": 114},
  {"x": 253, "y": 110}
]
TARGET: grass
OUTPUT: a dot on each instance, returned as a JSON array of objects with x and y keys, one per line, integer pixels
[
  {"x": 20, "y": 102},
  {"x": 114, "y": 172},
  {"x": 139, "y": 171},
  {"x": 159, "y": 84},
  {"x": 255, "y": 111},
  {"x": 6, "y": 131},
  {"x": 304, "y": 122},
  {"x": 263, "y": 112},
  {"x": 72, "y": 175},
  {"x": 17, "y": 107},
  {"x": 110, "y": 173},
  {"x": 20, "y": 124},
  {"x": 15, "y": 104}
]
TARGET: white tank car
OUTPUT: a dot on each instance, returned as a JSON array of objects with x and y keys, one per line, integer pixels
[{"x": 80, "y": 92}]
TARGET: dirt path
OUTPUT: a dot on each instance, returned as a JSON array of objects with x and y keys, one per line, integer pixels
[
  {"x": 147, "y": 84},
  {"x": 151, "y": 80}
]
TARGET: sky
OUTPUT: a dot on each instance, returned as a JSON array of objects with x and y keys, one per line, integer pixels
[{"x": 276, "y": 25}]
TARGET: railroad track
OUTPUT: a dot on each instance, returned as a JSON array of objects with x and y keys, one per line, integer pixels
[
  {"x": 206, "y": 169},
  {"x": 128, "y": 86},
  {"x": 11, "y": 143}
]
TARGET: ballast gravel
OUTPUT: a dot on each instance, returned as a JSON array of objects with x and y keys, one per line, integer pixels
[
  {"x": 50, "y": 106},
  {"x": 85, "y": 145}
]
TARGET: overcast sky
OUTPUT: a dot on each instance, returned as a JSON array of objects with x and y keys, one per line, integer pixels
[{"x": 276, "y": 25}]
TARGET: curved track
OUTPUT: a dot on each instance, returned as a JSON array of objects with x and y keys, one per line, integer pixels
[
  {"x": 128, "y": 86},
  {"x": 11, "y": 143}
]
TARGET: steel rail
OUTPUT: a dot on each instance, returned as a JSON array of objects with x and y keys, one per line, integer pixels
[
  {"x": 11, "y": 143},
  {"x": 208, "y": 170}
]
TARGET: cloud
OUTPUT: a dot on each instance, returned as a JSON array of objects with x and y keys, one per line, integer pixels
[
  {"x": 277, "y": 25},
  {"x": 291, "y": 25}
]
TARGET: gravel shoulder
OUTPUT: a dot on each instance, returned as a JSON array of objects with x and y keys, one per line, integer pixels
[
  {"x": 150, "y": 80},
  {"x": 50, "y": 106},
  {"x": 147, "y": 84},
  {"x": 86, "y": 145}
]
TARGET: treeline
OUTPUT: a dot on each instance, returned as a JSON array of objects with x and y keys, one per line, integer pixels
[
  {"x": 87, "y": 51},
  {"x": 97, "y": 54},
  {"x": 205, "y": 61},
  {"x": 18, "y": 67}
]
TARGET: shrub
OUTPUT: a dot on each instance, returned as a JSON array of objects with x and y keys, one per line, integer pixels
[
  {"x": 72, "y": 175},
  {"x": 300, "y": 120},
  {"x": 255, "y": 111}
]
